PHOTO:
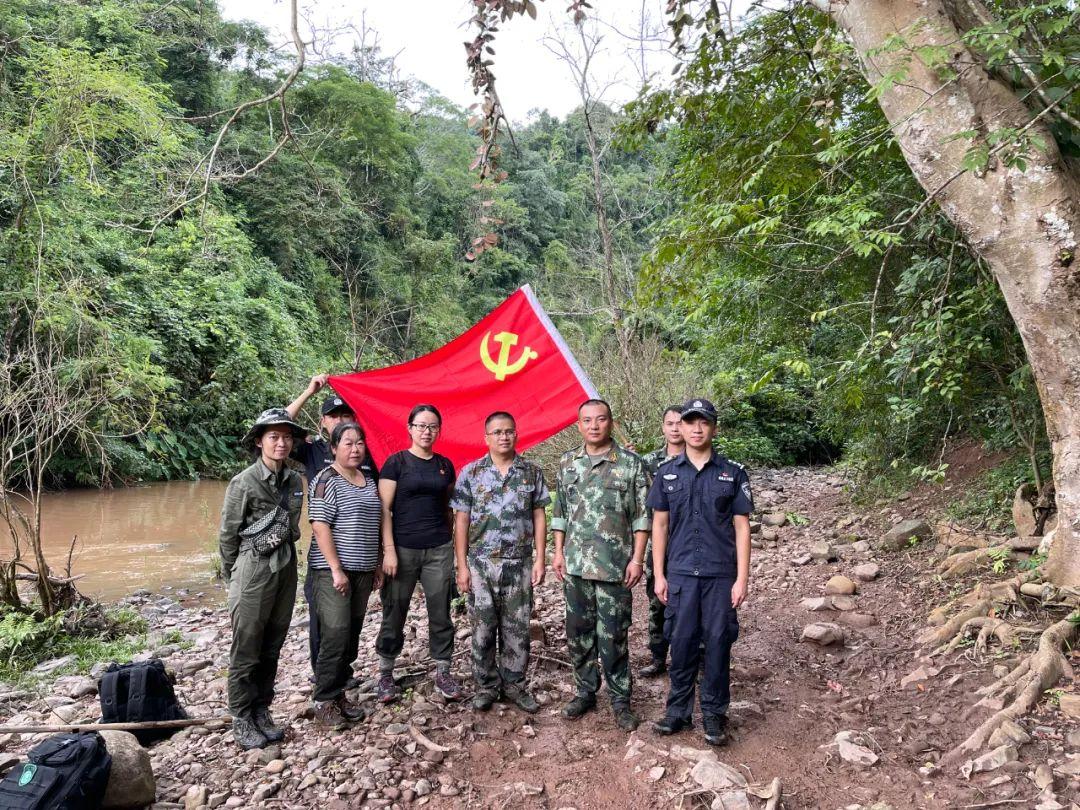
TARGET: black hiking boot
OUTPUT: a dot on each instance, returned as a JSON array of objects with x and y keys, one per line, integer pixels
[
  {"x": 579, "y": 706},
  {"x": 715, "y": 728},
  {"x": 247, "y": 734},
  {"x": 653, "y": 670},
  {"x": 522, "y": 699},
  {"x": 624, "y": 718},
  {"x": 484, "y": 700},
  {"x": 672, "y": 725},
  {"x": 264, "y": 722}
]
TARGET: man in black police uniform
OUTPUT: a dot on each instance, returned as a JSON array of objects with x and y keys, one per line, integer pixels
[
  {"x": 315, "y": 454},
  {"x": 701, "y": 504}
]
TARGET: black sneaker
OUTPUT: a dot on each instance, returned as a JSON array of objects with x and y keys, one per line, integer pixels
[
  {"x": 447, "y": 686},
  {"x": 388, "y": 690},
  {"x": 624, "y": 718},
  {"x": 264, "y": 721},
  {"x": 482, "y": 701},
  {"x": 247, "y": 734},
  {"x": 653, "y": 670},
  {"x": 715, "y": 728},
  {"x": 579, "y": 706},
  {"x": 349, "y": 710},
  {"x": 672, "y": 725}
]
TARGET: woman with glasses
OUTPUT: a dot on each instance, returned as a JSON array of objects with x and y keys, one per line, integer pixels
[{"x": 415, "y": 487}]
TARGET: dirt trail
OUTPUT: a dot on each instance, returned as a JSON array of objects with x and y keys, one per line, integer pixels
[{"x": 791, "y": 698}]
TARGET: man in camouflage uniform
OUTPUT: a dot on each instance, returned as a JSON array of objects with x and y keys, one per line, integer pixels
[
  {"x": 499, "y": 542},
  {"x": 673, "y": 446},
  {"x": 600, "y": 526}
]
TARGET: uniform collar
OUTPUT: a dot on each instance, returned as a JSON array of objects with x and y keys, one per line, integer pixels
[
  {"x": 488, "y": 461},
  {"x": 714, "y": 458},
  {"x": 612, "y": 455},
  {"x": 266, "y": 474}
]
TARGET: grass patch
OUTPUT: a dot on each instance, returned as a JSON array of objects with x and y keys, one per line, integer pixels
[
  {"x": 92, "y": 634},
  {"x": 987, "y": 502}
]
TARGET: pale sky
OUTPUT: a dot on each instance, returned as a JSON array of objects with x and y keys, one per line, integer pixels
[{"x": 428, "y": 37}]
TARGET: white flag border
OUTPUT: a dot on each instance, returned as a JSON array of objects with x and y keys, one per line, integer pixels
[{"x": 568, "y": 356}]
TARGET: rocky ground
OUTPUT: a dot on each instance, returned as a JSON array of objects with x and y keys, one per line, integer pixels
[{"x": 837, "y": 705}]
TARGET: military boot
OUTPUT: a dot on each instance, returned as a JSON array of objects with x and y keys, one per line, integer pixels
[
  {"x": 624, "y": 718},
  {"x": 579, "y": 706},
  {"x": 653, "y": 669},
  {"x": 247, "y": 734},
  {"x": 264, "y": 721},
  {"x": 522, "y": 699}
]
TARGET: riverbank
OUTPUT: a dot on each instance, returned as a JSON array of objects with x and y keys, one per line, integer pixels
[{"x": 901, "y": 709}]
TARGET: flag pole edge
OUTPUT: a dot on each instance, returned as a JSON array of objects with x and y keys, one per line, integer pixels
[{"x": 560, "y": 342}]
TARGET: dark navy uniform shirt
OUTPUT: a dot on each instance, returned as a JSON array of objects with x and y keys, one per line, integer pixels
[
  {"x": 700, "y": 506},
  {"x": 316, "y": 456}
]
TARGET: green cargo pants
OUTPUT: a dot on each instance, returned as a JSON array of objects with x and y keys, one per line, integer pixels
[
  {"x": 260, "y": 607},
  {"x": 341, "y": 618},
  {"x": 433, "y": 568}
]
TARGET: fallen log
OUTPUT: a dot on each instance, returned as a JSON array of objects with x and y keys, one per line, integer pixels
[{"x": 132, "y": 726}]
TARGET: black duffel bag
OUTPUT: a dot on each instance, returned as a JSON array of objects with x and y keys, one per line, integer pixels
[
  {"x": 140, "y": 692},
  {"x": 65, "y": 772}
]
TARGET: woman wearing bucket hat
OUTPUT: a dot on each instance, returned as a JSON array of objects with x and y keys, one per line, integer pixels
[{"x": 260, "y": 524}]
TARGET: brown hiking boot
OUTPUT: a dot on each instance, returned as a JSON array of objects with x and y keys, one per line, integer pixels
[
  {"x": 349, "y": 710},
  {"x": 328, "y": 715}
]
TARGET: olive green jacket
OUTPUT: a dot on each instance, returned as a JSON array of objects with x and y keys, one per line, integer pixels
[{"x": 251, "y": 494}]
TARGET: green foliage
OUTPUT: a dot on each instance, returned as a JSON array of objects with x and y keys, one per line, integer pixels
[
  {"x": 27, "y": 639},
  {"x": 345, "y": 251},
  {"x": 987, "y": 503}
]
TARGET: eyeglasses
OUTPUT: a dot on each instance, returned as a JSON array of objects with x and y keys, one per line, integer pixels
[
  {"x": 508, "y": 433},
  {"x": 425, "y": 428}
]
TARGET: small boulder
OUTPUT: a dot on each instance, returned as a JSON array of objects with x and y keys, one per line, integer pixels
[
  {"x": 1069, "y": 704},
  {"x": 842, "y": 603},
  {"x": 857, "y": 620},
  {"x": 990, "y": 761},
  {"x": 714, "y": 775},
  {"x": 1023, "y": 511},
  {"x": 776, "y": 519},
  {"x": 900, "y": 535},
  {"x": 867, "y": 572},
  {"x": 131, "y": 779},
  {"x": 823, "y": 633},
  {"x": 816, "y": 603},
  {"x": 822, "y": 551},
  {"x": 197, "y": 796},
  {"x": 840, "y": 585}
]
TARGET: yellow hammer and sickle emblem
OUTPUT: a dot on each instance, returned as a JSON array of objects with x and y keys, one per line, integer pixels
[{"x": 503, "y": 368}]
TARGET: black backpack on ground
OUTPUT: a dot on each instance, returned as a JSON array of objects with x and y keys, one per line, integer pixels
[
  {"x": 65, "y": 772},
  {"x": 133, "y": 693}
]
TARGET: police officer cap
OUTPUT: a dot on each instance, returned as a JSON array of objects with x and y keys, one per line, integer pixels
[
  {"x": 272, "y": 417},
  {"x": 334, "y": 403},
  {"x": 699, "y": 407}
]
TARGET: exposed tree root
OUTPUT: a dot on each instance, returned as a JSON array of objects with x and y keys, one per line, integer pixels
[
  {"x": 1003, "y": 631},
  {"x": 945, "y": 633},
  {"x": 956, "y": 565},
  {"x": 1023, "y": 686}
]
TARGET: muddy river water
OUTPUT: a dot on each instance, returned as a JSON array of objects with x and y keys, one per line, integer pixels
[{"x": 137, "y": 537}]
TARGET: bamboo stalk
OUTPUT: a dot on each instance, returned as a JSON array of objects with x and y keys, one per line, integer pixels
[{"x": 132, "y": 726}]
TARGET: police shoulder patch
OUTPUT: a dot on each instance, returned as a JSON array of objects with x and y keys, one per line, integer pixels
[{"x": 670, "y": 476}]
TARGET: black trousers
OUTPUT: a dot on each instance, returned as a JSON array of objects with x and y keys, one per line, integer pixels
[{"x": 699, "y": 610}]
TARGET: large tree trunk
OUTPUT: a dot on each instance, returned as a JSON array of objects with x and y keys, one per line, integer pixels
[{"x": 1024, "y": 224}]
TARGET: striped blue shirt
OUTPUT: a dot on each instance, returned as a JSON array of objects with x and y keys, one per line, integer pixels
[{"x": 353, "y": 514}]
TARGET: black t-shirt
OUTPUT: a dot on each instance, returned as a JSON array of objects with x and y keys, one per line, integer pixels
[
  {"x": 422, "y": 499},
  {"x": 316, "y": 456}
]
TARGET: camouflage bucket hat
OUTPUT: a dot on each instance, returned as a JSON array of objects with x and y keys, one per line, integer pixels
[{"x": 271, "y": 417}]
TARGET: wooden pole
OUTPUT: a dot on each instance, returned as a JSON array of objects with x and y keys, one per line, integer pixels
[{"x": 133, "y": 726}]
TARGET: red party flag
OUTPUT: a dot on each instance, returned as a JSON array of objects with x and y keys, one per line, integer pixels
[{"x": 513, "y": 360}]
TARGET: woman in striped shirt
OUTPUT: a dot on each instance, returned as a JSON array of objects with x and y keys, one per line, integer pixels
[{"x": 345, "y": 514}]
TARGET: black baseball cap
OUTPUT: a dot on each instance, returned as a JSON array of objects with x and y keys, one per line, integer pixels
[
  {"x": 335, "y": 403},
  {"x": 699, "y": 407}
]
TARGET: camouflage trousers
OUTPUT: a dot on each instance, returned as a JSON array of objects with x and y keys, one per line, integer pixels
[
  {"x": 500, "y": 606},
  {"x": 597, "y": 624},
  {"x": 658, "y": 645}
]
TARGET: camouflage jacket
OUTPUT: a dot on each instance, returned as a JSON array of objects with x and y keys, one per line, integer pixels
[
  {"x": 655, "y": 458},
  {"x": 600, "y": 506},
  {"x": 500, "y": 509}
]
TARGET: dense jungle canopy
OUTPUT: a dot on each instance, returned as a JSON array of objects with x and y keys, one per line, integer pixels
[{"x": 752, "y": 206}]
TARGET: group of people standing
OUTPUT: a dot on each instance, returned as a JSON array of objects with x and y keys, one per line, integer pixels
[{"x": 484, "y": 532}]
